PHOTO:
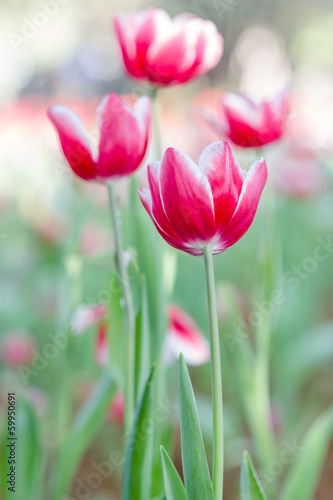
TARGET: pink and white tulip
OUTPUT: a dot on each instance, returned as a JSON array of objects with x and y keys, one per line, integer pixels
[
  {"x": 248, "y": 124},
  {"x": 167, "y": 51},
  {"x": 184, "y": 336},
  {"x": 209, "y": 204},
  {"x": 124, "y": 134},
  {"x": 87, "y": 316}
]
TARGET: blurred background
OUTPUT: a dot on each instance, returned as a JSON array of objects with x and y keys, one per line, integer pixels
[{"x": 55, "y": 237}]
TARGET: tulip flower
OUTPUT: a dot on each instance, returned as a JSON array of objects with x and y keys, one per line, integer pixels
[
  {"x": 124, "y": 133},
  {"x": 248, "y": 124},
  {"x": 184, "y": 336},
  {"x": 87, "y": 316},
  {"x": 167, "y": 51},
  {"x": 17, "y": 348},
  {"x": 211, "y": 204},
  {"x": 117, "y": 409},
  {"x": 101, "y": 345}
]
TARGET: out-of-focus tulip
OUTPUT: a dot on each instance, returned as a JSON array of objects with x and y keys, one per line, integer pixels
[
  {"x": 101, "y": 345},
  {"x": 124, "y": 133},
  {"x": 184, "y": 336},
  {"x": 297, "y": 172},
  {"x": 86, "y": 316},
  {"x": 167, "y": 51},
  {"x": 209, "y": 204},
  {"x": 248, "y": 124},
  {"x": 17, "y": 348},
  {"x": 117, "y": 409}
]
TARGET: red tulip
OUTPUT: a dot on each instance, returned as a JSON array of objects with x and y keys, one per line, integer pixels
[
  {"x": 117, "y": 409},
  {"x": 101, "y": 345},
  {"x": 124, "y": 133},
  {"x": 184, "y": 336},
  {"x": 167, "y": 51},
  {"x": 248, "y": 124},
  {"x": 17, "y": 348},
  {"x": 213, "y": 203}
]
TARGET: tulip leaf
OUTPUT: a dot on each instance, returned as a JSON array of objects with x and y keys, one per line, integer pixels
[
  {"x": 198, "y": 483},
  {"x": 251, "y": 488},
  {"x": 139, "y": 449},
  {"x": 303, "y": 475},
  {"x": 174, "y": 487},
  {"x": 142, "y": 354},
  {"x": 84, "y": 428}
]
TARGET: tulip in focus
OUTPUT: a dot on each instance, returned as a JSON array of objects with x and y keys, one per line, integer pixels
[
  {"x": 167, "y": 51},
  {"x": 17, "y": 348},
  {"x": 124, "y": 133},
  {"x": 184, "y": 336},
  {"x": 86, "y": 316},
  {"x": 209, "y": 204},
  {"x": 247, "y": 124}
]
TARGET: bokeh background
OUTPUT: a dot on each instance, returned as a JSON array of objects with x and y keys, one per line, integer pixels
[{"x": 55, "y": 237}]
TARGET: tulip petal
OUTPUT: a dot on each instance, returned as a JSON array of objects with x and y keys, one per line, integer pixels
[
  {"x": 119, "y": 146},
  {"x": 187, "y": 198},
  {"x": 243, "y": 216},
  {"x": 146, "y": 199},
  {"x": 74, "y": 141},
  {"x": 225, "y": 177},
  {"x": 142, "y": 112}
]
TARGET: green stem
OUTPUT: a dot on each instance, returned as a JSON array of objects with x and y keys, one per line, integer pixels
[
  {"x": 216, "y": 374},
  {"x": 129, "y": 310}
]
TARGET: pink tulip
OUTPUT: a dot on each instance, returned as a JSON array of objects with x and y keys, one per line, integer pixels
[
  {"x": 101, "y": 345},
  {"x": 184, "y": 336},
  {"x": 86, "y": 316},
  {"x": 124, "y": 133},
  {"x": 17, "y": 348},
  {"x": 210, "y": 204},
  {"x": 167, "y": 51},
  {"x": 117, "y": 409},
  {"x": 248, "y": 124}
]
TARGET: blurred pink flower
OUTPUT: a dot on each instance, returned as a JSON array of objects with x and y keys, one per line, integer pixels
[
  {"x": 184, "y": 336},
  {"x": 86, "y": 316},
  {"x": 167, "y": 51},
  {"x": 297, "y": 172},
  {"x": 94, "y": 240},
  {"x": 117, "y": 409},
  {"x": 209, "y": 204},
  {"x": 248, "y": 124},
  {"x": 124, "y": 133},
  {"x": 16, "y": 348},
  {"x": 101, "y": 345}
]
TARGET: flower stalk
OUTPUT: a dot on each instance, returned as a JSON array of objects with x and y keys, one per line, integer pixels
[
  {"x": 129, "y": 309},
  {"x": 216, "y": 375}
]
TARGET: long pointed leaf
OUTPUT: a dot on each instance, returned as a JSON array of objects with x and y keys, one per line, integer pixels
[
  {"x": 139, "y": 454},
  {"x": 251, "y": 488},
  {"x": 302, "y": 479},
  {"x": 198, "y": 483},
  {"x": 174, "y": 487}
]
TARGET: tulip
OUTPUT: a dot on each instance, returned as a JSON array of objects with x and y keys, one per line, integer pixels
[
  {"x": 117, "y": 409},
  {"x": 167, "y": 51},
  {"x": 211, "y": 204},
  {"x": 248, "y": 124},
  {"x": 101, "y": 345},
  {"x": 124, "y": 133},
  {"x": 184, "y": 336},
  {"x": 17, "y": 348},
  {"x": 87, "y": 316}
]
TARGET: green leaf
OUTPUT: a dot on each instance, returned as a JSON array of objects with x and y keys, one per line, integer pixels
[
  {"x": 251, "y": 488},
  {"x": 303, "y": 475},
  {"x": 85, "y": 427},
  {"x": 27, "y": 454},
  {"x": 142, "y": 350},
  {"x": 139, "y": 449},
  {"x": 116, "y": 333},
  {"x": 174, "y": 487},
  {"x": 198, "y": 483}
]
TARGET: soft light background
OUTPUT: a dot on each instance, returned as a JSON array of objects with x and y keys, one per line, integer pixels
[{"x": 65, "y": 52}]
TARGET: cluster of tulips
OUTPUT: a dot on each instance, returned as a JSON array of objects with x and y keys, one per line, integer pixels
[{"x": 201, "y": 209}]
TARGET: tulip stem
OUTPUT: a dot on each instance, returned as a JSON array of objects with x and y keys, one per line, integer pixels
[
  {"x": 216, "y": 374},
  {"x": 129, "y": 310}
]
